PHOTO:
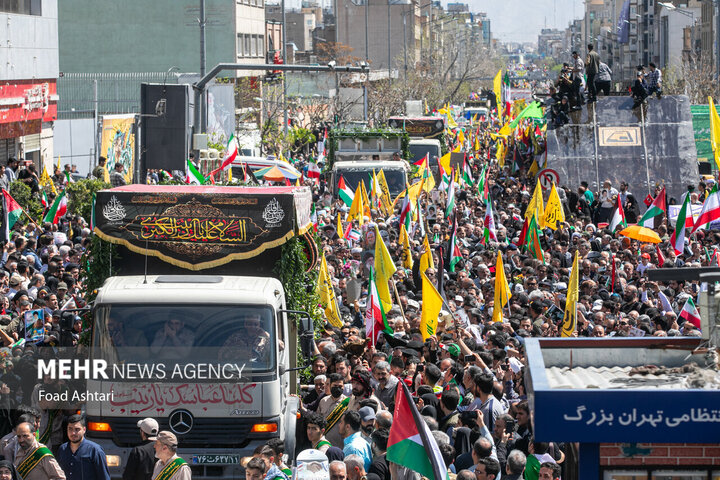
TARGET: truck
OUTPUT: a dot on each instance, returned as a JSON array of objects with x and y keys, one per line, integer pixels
[
  {"x": 426, "y": 138},
  {"x": 356, "y": 153},
  {"x": 194, "y": 328}
]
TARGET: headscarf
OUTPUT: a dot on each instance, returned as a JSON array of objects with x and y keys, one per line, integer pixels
[
  {"x": 13, "y": 471},
  {"x": 363, "y": 377}
]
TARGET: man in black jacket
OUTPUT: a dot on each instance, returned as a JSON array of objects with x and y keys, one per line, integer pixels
[{"x": 142, "y": 460}]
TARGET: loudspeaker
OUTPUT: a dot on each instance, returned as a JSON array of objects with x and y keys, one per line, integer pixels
[{"x": 166, "y": 127}]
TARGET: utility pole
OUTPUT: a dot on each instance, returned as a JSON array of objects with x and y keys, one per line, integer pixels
[
  {"x": 284, "y": 80},
  {"x": 202, "y": 22},
  {"x": 389, "y": 58}
]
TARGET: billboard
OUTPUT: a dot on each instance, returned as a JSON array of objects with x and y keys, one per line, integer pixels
[{"x": 118, "y": 143}]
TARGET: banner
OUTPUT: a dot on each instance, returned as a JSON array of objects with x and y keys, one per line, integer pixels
[
  {"x": 118, "y": 143},
  {"x": 199, "y": 227},
  {"x": 701, "y": 128}
]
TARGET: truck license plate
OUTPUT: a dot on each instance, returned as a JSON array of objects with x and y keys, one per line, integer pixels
[{"x": 215, "y": 459}]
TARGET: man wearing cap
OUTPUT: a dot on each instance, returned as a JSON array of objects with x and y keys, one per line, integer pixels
[
  {"x": 169, "y": 466},
  {"x": 79, "y": 457},
  {"x": 141, "y": 462}
]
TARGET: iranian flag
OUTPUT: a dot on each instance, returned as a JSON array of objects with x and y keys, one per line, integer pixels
[
  {"x": 710, "y": 211},
  {"x": 690, "y": 312},
  {"x": 353, "y": 234},
  {"x": 375, "y": 321},
  {"x": 656, "y": 209},
  {"x": 450, "y": 202},
  {"x": 618, "y": 218},
  {"x": 321, "y": 147},
  {"x": 681, "y": 226},
  {"x": 58, "y": 209},
  {"x": 193, "y": 175},
  {"x": 489, "y": 231},
  {"x": 43, "y": 199},
  {"x": 313, "y": 172},
  {"x": 454, "y": 254},
  {"x": 406, "y": 212},
  {"x": 482, "y": 183},
  {"x": 230, "y": 153},
  {"x": 12, "y": 209},
  {"x": 344, "y": 192},
  {"x": 467, "y": 173},
  {"x": 411, "y": 443}
]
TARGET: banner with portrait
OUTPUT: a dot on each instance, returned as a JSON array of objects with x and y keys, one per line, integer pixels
[{"x": 118, "y": 143}]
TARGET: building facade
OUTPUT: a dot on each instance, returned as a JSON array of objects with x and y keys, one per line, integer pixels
[{"x": 28, "y": 85}]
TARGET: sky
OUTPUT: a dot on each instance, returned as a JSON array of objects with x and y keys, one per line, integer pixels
[{"x": 522, "y": 20}]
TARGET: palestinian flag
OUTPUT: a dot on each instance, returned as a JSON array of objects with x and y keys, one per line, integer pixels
[
  {"x": 344, "y": 192},
  {"x": 660, "y": 256},
  {"x": 532, "y": 240},
  {"x": 422, "y": 161},
  {"x": 375, "y": 321},
  {"x": 681, "y": 226},
  {"x": 489, "y": 232},
  {"x": 467, "y": 173},
  {"x": 656, "y": 209},
  {"x": 411, "y": 443},
  {"x": 58, "y": 209},
  {"x": 12, "y": 210},
  {"x": 710, "y": 211},
  {"x": 444, "y": 178},
  {"x": 618, "y": 218},
  {"x": 193, "y": 174},
  {"x": 450, "y": 202},
  {"x": 690, "y": 312},
  {"x": 454, "y": 254}
]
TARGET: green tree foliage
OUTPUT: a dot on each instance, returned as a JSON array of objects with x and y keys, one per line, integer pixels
[
  {"x": 22, "y": 194},
  {"x": 80, "y": 196},
  {"x": 98, "y": 262}
]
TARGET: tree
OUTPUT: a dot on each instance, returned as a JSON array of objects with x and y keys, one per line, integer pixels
[{"x": 695, "y": 77}]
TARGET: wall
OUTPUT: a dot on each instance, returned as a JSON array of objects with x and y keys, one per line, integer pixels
[
  {"x": 29, "y": 44},
  {"x": 143, "y": 36},
  {"x": 675, "y": 454}
]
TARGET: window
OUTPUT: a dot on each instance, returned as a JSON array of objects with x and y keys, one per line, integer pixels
[
  {"x": 22, "y": 7},
  {"x": 253, "y": 45},
  {"x": 247, "y": 45},
  {"x": 261, "y": 45},
  {"x": 240, "y": 45}
]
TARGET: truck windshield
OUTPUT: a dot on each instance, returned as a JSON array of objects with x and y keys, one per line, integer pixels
[
  {"x": 186, "y": 334},
  {"x": 395, "y": 178},
  {"x": 419, "y": 151}
]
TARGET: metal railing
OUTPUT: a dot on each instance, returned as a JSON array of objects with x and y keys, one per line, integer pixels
[{"x": 111, "y": 93}]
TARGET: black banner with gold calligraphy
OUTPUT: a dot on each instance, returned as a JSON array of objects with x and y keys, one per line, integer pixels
[{"x": 197, "y": 228}]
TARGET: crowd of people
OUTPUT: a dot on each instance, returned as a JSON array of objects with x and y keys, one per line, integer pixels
[{"x": 467, "y": 378}]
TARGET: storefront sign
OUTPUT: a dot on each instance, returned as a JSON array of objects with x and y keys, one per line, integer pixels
[{"x": 25, "y": 100}]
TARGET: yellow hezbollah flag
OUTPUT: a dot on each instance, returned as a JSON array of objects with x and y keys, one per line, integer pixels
[
  {"x": 340, "y": 232},
  {"x": 570, "y": 318},
  {"x": 384, "y": 270},
  {"x": 405, "y": 242},
  {"x": 553, "y": 211},
  {"x": 426, "y": 259},
  {"x": 502, "y": 290},
  {"x": 445, "y": 162},
  {"x": 461, "y": 137},
  {"x": 356, "y": 207},
  {"x": 536, "y": 207},
  {"x": 431, "y": 306},
  {"x": 365, "y": 201},
  {"x": 714, "y": 131},
  {"x": 385, "y": 198},
  {"x": 46, "y": 181},
  {"x": 497, "y": 89},
  {"x": 327, "y": 296}
]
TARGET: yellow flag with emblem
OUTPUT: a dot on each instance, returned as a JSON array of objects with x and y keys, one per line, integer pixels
[
  {"x": 461, "y": 137},
  {"x": 554, "y": 212},
  {"x": 714, "y": 131},
  {"x": 497, "y": 90},
  {"x": 327, "y": 296},
  {"x": 407, "y": 260},
  {"x": 426, "y": 259},
  {"x": 431, "y": 306},
  {"x": 365, "y": 201},
  {"x": 46, "y": 181},
  {"x": 339, "y": 229},
  {"x": 385, "y": 198},
  {"x": 570, "y": 318},
  {"x": 357, "y": 211},
  {"x": 536, "y": 206},
  {"x": 384, "y": 270},
  {"x": 502, "y": 290},
  {"x": 445, "y": 162}
]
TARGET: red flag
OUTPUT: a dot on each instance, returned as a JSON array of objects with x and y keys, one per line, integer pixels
[
  {"x": 648, "y": 200},
  {"x": 661, "y": 258}
]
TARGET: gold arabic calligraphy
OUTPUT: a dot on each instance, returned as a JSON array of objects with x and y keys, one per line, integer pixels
[{"x": 225, "y": 230}]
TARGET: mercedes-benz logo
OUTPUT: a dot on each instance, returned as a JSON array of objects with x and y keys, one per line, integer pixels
[{"x": 181, "y": 422}]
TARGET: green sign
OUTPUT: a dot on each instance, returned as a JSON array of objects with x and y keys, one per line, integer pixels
[{"x": 701, "y": 127}]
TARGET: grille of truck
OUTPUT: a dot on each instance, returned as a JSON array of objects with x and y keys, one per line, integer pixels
[{"x": 205, "y": 432}]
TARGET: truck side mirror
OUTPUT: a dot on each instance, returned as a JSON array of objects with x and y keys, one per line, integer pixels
[{"x": 306, "y": 331}]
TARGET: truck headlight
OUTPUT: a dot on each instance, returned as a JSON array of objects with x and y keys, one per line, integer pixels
[{"x": 113, "y": 460}]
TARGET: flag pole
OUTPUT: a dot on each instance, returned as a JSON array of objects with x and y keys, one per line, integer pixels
[
  {"x": 397, "y": 295},
  {"x": 21, "y": 208}
]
